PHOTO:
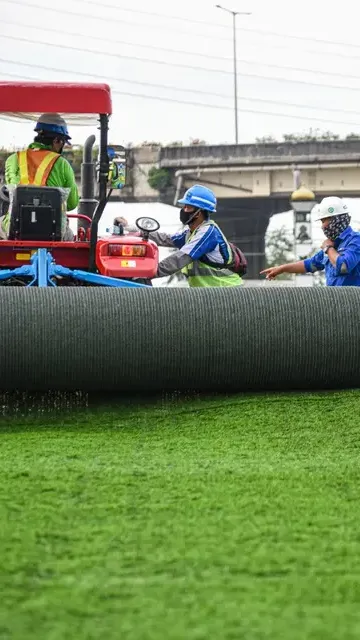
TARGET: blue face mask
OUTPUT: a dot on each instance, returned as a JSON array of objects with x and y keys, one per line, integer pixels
[{"x": 336, "y": 226}]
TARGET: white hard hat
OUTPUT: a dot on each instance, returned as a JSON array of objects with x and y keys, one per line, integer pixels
[{"x": 330, "y": 207}]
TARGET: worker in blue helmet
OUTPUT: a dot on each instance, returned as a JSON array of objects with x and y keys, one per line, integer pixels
[
  {"x": 202, "y": 253},
  {"x": 42, "y": 164}
]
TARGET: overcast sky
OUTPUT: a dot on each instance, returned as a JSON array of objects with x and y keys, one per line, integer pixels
[{"x": 325, "y": 44}]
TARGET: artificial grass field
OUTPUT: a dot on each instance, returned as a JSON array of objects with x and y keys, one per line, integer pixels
[{"x": 183, "y": 518}]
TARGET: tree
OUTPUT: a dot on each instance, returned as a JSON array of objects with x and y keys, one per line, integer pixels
[
  {"x": 279, "y": 249},
  {"x": 313, "y": 135},
  {"x": 176, "y": 143},
  {"x": 265, "y": 140},
  {"x": 75, "y": 157},
  {"x": 197, "y": 142},
  {"x": 159, "y": 179},
  {"x": 146, "y": 143}
]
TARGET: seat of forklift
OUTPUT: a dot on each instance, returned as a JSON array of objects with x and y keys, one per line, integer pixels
[{"x": 36, "y": 214}]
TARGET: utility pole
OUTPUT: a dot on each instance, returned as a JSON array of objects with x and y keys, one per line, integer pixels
[{"x": 234, "y": 14}]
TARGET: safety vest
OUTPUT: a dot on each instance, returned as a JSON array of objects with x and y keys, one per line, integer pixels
[
  {"x": 35, "y": 166},
  {"x": 200, "y": 274}
]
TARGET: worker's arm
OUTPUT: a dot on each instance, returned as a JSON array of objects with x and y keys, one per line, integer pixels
[
  {"x": 204, "y": 241},
  {"x": 69, "y": 182},
  {"x": 12, "y": 173},
  {"x": 291, "y": 267},
  {"x": 172, "y": 264},
  {"x": 162, "y": 239},
  {"x": 346, "y": 261},
  {"x": 310, "y": 265},
  {"x": 176, "y": 240}
]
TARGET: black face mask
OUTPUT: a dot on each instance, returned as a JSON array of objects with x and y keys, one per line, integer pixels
[{"x": 186, "y": 217}]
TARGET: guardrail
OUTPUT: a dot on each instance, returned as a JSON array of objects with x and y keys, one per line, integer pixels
[{"x": 260, "y": 153}]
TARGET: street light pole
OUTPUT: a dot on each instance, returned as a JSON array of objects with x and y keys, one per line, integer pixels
[
  {"x": 235, "y": 82},
  {"x": 234, "y": 14}
]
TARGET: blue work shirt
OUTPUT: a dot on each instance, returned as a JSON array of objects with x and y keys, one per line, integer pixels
[{"x": 346, "y": 273}]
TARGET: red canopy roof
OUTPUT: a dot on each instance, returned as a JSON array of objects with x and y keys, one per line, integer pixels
[{"x": 54, "y": 97}]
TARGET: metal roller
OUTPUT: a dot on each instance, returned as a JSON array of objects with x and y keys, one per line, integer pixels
[{"x": 231, "y": 339}]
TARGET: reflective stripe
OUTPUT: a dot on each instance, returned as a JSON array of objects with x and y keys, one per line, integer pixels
[
  {"x": 35, "y": 166},
  {"x": 23, "y": 167},
  {"x": 44, "y": 168},
  {"x": 198, "y": 268},
  {"x": 201, "y": 281}
]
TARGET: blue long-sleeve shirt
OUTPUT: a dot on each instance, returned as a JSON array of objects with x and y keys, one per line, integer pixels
[{"x": 346, "y": 272}]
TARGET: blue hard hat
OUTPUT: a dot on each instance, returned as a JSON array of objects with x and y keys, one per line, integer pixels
[
  {"x": 52, "y": 123},
  {"x": 200, "y": 197}
]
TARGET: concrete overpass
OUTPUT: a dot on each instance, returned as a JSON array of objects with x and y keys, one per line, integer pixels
[{"x": 252, "y": 182}]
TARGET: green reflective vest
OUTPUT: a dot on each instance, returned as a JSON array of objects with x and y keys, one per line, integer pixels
[{"x": 200, "y": 274}]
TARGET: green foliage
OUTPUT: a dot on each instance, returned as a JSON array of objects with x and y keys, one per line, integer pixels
[
  {"x": 279, "y": 248},
  {"x": 265, "y": 140},
  {"x": 75, "y": 156},
  {"x": 159, "y": 179},
  {"x": 176, "y": 143},
  {"x": 313, "y": 135},
  {"x": 4, "y": 154}
]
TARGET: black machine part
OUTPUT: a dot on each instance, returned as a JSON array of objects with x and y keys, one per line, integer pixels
[
  {"x": 36, "y": 214},
  {"x": 103, "y": 180},
  {"x": 88, "y": 202},
  {"x": 4, "y": 200}
]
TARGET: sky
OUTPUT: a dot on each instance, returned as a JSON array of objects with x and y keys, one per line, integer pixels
[{"x": 298, "y": 65}]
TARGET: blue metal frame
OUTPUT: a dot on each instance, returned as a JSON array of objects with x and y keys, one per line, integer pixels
[{"x": 42, "y": 269}]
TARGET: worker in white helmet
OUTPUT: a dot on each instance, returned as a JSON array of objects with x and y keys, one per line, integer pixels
[{"x": 340, "y": 251}]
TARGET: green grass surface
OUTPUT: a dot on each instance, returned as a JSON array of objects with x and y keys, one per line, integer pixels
[{"x": 186, "y": 518}]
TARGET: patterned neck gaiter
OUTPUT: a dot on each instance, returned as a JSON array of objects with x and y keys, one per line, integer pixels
[{"x": 336, "y": 226}]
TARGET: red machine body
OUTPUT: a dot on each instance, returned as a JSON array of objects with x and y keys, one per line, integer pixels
[
  {"x": 126, "y": 256},
  {"x": 119, "y": 256},
  {"x": 19, "y": 99}
]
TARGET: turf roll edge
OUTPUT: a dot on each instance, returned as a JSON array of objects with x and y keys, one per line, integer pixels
[{"x": 106, "y": 339}]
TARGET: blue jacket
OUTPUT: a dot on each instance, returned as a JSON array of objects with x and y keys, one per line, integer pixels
[
  {"x": 346, "y": 273},
  {"x": 209, "y": 241}
]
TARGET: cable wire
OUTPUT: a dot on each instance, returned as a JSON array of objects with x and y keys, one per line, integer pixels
[
  {"x": 176, "y": 64},
  {"x": 121, "y": 20},
  {"x": 175, "y": 88},
  {"x": 212, "y": 106},
  {"x": 181, "y": 52},
  {"x": 193, "y": 53}
]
